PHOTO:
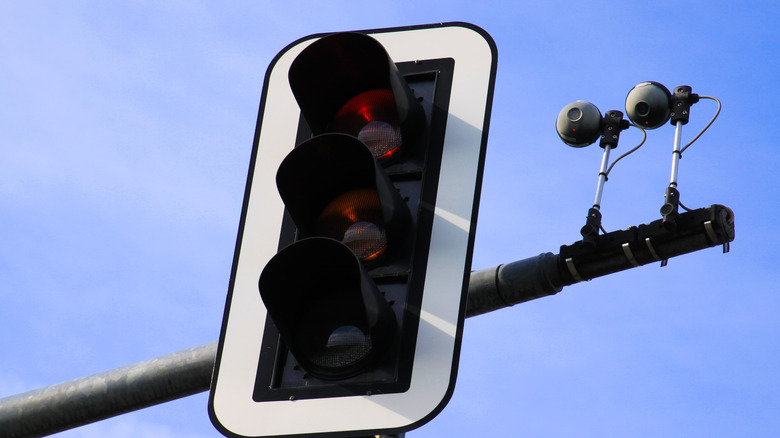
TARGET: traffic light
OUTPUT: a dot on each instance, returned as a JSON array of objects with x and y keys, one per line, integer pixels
[
  {"x": 356, "y": 239},
  {"x": 347, "y": 297}
]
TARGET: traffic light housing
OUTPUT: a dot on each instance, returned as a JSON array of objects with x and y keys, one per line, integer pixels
[
  {"x": 342, "y": 189},
  {"x": 376, "y": 144}
]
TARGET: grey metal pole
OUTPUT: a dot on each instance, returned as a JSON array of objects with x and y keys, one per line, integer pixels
[
  {"x": 602, "y": 176},
  {"x": 676, "y": 153},
  {"x": 513, "y": 283},
  {"x": 82, "y": 401}
]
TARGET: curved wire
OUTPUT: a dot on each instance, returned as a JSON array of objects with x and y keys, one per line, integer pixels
[
  {"x": 708, "y": 124},
  {"x": 644, "y": 134}
]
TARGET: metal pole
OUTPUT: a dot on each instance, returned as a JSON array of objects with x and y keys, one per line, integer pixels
[
  {"x": 602, "y": 176},
  {"x": 82, "y": 401},
  {"x": 513, "y": 283},
  {"x": 676, "y": 153}
]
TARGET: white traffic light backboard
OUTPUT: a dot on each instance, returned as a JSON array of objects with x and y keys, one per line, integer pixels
[{"x": 232, "y": 405}]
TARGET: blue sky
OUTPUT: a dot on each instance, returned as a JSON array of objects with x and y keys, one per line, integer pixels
[{"x": 125, "y": 137}]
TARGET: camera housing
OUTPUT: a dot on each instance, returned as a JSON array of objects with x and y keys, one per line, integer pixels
[
  {"x": 648, "y": 105},
  {"x": 579, "y": 124}
]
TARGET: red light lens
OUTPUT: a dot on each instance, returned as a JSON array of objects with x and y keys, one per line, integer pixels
[
  {"x": 355, "y": 219},
  {"x": 372, "y": 118}
]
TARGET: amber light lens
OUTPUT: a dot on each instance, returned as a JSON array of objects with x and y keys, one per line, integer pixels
[
  {"x": 355, "y": 219},
  {"x": 372, "y": 118}
]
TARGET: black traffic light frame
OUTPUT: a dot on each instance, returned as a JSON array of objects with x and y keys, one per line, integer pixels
[{"x": 401, "y": 278}]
